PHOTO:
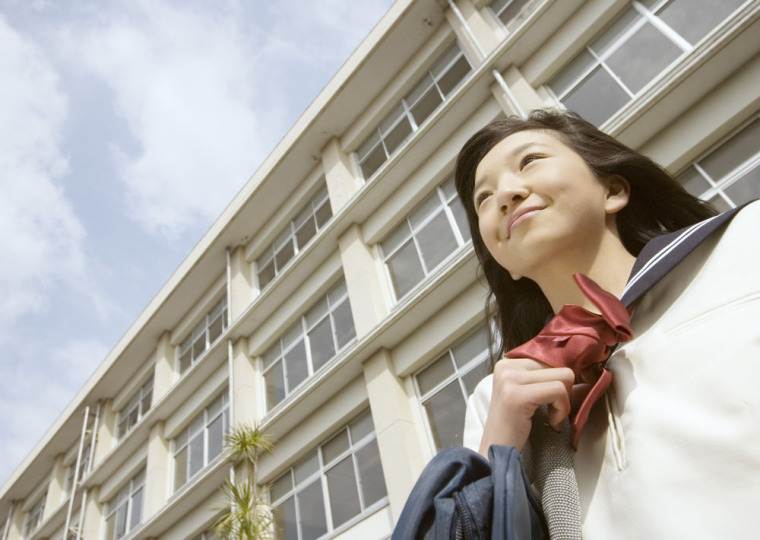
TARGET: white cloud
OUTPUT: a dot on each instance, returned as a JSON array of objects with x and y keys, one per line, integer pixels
[
  {"x": 182, "y": 81},
  {"x": 41, "y": 239}
]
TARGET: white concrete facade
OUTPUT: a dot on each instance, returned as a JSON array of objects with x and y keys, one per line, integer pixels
[{"x": 366, "y": 315}]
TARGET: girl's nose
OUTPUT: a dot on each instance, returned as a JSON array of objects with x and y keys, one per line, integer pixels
[{"x": 510, "y": 192}]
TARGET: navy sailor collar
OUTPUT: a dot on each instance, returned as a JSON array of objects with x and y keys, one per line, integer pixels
[{"x": 661, "y": 254}]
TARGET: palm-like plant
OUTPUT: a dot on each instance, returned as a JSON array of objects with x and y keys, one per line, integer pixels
[{"x": 246, "y": 512}]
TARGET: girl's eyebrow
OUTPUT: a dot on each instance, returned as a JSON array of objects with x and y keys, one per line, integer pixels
[{"x": 510, "y": 155}]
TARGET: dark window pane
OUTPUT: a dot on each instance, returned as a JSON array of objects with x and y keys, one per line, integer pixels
[
  {"x": 344, "y": 324},
  {"x": 719, "y": 203},
  {"x": 734, "y": 152},
  {"x": 136, "y": 516},
  {"x": 474, "y": 345},
  {"x": 285, "y": 518},
  {"x": 335, "y": 447},
  {"x": 457, "y": 72},
  {"x": 295, "y": 365},
  {"x": 597, "y": 98},
  {"x": 436, "y": 241},
  {"x": 426, "y": 105},
  {"x": 180, "y": 468},
  {"x": 461, "y": 218},
  {"x": 344, "y": 495},
  {"x": 312, "y": 509},
  {"x": 371, "y": 473},
  {"x": 284, "y": 255},
  {"x": 215, "y": 329},
  {"x": 693, "y": 181},
  {"x": 406, "y": 269},
  {"x": 306, "y": 233},
  {"x": 321, "y": 343},
  {"x": 398, "y": 135},
  {"x": 693, "y": 19},
  {"x": 275, "y": 383},
  {"x": 474, "y": 376},
  {"x": 435, "y": 374},
  {"x": 196, "y": 454},
  {"x": 643, "y": 57},
  {"x": 215, "y": 437},
  {"x": 373, "y": 161},
  {"x": 266, "y": 274},
  {"x": 199, "y": 345},
  {"x": 324, "y": 213},
  {"x": 745, "y": 189},
  {"x": 446, "y": 415},
  {"x": 121, "y": 520}
]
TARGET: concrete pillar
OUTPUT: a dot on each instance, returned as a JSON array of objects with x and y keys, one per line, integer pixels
[
  {"x": 241, "y": 288},
  {"x": 339, "y": 176},
  {"x": 397, "y": 436},
  {"x": 156, "y": 471},
  {"x": 163, "y": 375},
  {"x": 93, "y": 514},
  {"x": 526, "y": 96},
  {"x": 105, "y": 438},
  {"x": 244, "y": 385},
  {"x": 479, "y": 29},
  {"x": 365, "y": 290},
  {"x": 55, "y": 493}
]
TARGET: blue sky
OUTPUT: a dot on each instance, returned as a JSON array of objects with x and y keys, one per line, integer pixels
[{"x": 126, "y": 126}]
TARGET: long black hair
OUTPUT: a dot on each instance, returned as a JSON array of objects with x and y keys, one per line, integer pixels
[{"x": 658, "y": 204}]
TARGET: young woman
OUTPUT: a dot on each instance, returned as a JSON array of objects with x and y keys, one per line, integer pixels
[{"x": 672, "y": 449}]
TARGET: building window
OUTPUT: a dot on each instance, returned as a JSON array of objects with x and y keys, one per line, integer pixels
[
  {"x": 444, "y": 386},
  {"x": 205, "y": 333},
  {"x": 136, "y": 408},
  {"x": 309, "y": 344},
  {"x": 124, "y": 511},
  {"x": 729, "y": 175},
  {"x": 293, "y": 237},
  {"x": 201, "y": 441},
  {"x": 639, "y": 45},
  {"x": 426, "y": 238},
  {"x": 332, "y": 485},
  {"x": 34, "y": 515},
  {"x": 84, "y": 465},
  {"x": 406, "y": 118},
  {"x": 512, "y": 13}
]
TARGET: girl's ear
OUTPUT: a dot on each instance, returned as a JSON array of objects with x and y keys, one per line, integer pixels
[{"x": 618, "y": 193}]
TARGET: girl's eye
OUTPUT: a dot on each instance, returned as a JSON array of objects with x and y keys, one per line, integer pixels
[
  {"x": 480, "y": 198},
  {"x": 527, "y": 160}
]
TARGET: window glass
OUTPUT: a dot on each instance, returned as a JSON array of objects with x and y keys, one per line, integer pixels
[
  {"x": 205, "y": 334},
  {"x": 34, "y": 515},
  {"x": 445, "y": 384},
  {"x": 124, "y": 511},
  {"x": 294, "y": 237},
  {"x": 513, "y": 12},
  {"x": 428, "y": 236},
  {"x": 137, "y": 406},
  {"x": 630, "y": 53},
  {"x": 340, "y": 480},
  {"x": 729, "y": 174},
  {"x": 450, "y": 69},
  {"x": 198, "y": 444},
  {"x": 319, "y": 334}
]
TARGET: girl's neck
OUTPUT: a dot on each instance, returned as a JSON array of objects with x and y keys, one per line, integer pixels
[{"x": 609, "y": 268}]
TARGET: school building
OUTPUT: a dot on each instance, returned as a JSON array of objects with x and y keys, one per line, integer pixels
[{"x": 336, "y": 301}]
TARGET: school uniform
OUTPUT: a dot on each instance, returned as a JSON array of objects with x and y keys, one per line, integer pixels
[{"x": 673, "y": 448}]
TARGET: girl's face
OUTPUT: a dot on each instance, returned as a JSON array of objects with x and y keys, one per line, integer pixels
[{"x": 538, "y": 203}]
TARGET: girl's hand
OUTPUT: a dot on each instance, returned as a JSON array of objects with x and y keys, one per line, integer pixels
[{"x": 520, "y": 386}]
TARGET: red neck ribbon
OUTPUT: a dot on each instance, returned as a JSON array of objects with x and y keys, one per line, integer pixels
[{"x": 582, "y": 341}]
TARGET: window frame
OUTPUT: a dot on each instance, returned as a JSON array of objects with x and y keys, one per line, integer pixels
[
  {"x": 457, "y": 375},
  {"x": 402, "y": 111},
  {"x": 599, "y": 60},
  {"x": 717, "y": 187},
  {"x": 274, "y": 358},
  {"x": 35, "y": 515},
  {"x": 530, "y": 5},
  {"x": 126, "y": 495},
  {"x": 323, "y": 468},
  {"x": 288, "y": 235},
  {"x": 136, "y": 401},
  {"x": 202, "y": 328},
  {"x": 200, "y": 425},
  {"x": 444, "y": 204}
]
